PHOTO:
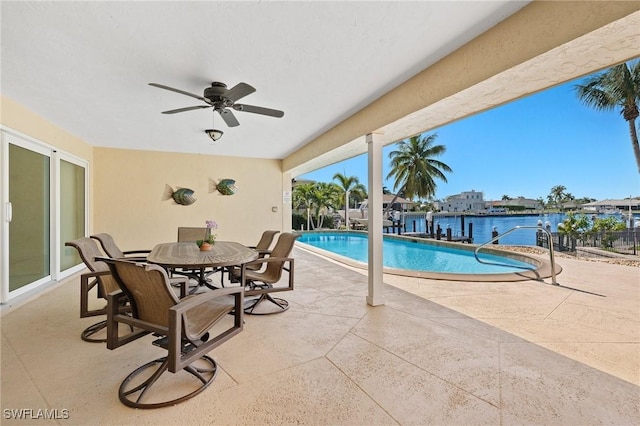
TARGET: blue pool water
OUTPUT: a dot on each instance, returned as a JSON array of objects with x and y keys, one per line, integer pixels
[{"x": 410, "y": 255}]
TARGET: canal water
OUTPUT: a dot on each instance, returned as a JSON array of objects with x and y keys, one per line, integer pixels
[{"x": 483, "y": 225}]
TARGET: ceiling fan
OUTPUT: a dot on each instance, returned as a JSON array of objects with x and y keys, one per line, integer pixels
[{"x": 223, "y": 100}]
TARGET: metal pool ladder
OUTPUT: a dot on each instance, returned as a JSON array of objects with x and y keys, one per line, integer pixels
[{"x": 540, "y": 229}]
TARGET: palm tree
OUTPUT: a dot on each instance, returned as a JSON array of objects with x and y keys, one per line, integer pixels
[
  {"x": 617, "y": 87},
  {"x": 414, "y": 168},
  {"x": 350, "y": 186},
  {"x": 303, "y": 197},
  {"x": 324, "y": 197},
  {"x": 557, "y": 195}
]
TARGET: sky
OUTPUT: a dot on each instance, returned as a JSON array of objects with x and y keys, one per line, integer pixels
[{"x": 526, "y": 147}]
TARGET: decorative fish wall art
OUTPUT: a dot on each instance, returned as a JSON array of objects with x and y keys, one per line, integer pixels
[
  {"x": 182, "y": 196},
  {"x": 227, "y": 187}
]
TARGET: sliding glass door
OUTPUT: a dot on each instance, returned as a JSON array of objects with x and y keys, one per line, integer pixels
[
  {"x": 72, "y": 211},
  {"x": 30, "y": 209},
  {"x": 44, "y": 197}
]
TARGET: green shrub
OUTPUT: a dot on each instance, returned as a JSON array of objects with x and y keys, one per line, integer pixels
[{"x": 298, "y": 221}]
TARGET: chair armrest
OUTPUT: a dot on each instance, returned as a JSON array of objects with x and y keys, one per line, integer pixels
[
  {"x": 85, "y": 288},
  {"x": 94, "y": 274},
  {"x": 136, "y": 255},
  {"x": 178, "y": 360},
  {"x": 126, "y": 253},
  {"x": 181, "y": 282},
  {"x": 260, "y": 251},
  {"x": 114, "y": 317},
  {"x": 269, "y": 259},
  {"x": 84, "y": 279},
  {"x": 201, "y": 298}
]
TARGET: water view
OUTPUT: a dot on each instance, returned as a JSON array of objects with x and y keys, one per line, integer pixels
[{"x": 483, "y": 225}]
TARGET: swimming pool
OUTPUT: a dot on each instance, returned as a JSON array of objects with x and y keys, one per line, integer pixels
[{"x": 426, "y": 258}]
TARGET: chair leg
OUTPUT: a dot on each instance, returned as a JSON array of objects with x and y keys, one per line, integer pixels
[
  {"x": 88, "y": 332},
  {"x": 249, "y": 307},
  {"x": 134, "y": 397}
]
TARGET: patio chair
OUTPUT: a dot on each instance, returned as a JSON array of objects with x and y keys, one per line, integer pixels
[
  {"x": 263, "y": 247},
  {"x": 183, "y": 327},
  {"x": 112, "y": 250},
  {"x": 188, "y": 235},
  {"x": 261, "y": 282},
  {"x": 100, "y": 279},
  {"x": 191, "y": 235}
]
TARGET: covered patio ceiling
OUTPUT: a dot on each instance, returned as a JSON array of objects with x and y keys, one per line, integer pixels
[
  {"x": 85, "y": 66},
  {"x": 338, "y": 70}
]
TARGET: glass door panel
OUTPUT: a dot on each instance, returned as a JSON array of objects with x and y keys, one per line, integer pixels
[
  {"x": 72, "y": 211},
  {"x": 29, "y": 229}
]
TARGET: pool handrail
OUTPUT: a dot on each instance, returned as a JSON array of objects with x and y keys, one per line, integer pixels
[{"x": 539, "y": 228}]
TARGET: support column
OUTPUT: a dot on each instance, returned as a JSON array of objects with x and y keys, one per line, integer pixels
[
  {"x": 286, "y": 206},
  {"x": 346, "y": 209},
  {"x": 376, "y": 294}
]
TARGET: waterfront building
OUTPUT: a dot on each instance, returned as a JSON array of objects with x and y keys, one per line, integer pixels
[
  {"x": 611, "y": 206},
  {"x": 399, "y": 204},
  {"x": 517, "y": 204},
  {"x": 468, "y": 201}
]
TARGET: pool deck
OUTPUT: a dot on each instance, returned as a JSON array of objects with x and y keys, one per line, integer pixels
[{"x": 437, "y": 352}]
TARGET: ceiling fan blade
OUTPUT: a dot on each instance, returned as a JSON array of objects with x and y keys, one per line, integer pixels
[
  {"x": 173, "y": 111},
  {"x": 228, "y": 117},
  {"x": 238, "y": 91},
  {"x": 162, "y": 86},
  {"x": 259, "y": 110}
]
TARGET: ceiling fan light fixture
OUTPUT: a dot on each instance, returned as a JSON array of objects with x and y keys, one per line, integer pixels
[{"x": 214, "y": 134}]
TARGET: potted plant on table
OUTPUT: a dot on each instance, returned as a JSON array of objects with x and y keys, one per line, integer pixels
[{"x": 209, "y": 238}]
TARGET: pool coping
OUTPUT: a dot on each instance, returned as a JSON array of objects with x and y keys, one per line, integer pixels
[{"x": 542, "y": 266}]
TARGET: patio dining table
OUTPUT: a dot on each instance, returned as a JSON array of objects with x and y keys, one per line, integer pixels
[{"x": 188, "y": 256}]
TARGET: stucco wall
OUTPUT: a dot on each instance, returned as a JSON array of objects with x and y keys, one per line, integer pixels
[
  {"x": 19, "y": 118},
  {"x": 132, "y": 202},
  {"x": 127, "y": 188},
  {"x": 16, "y": 117}
]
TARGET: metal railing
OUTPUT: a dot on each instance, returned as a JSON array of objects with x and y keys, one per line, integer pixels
[
  {"x": 621, "y": 242},
  {"x": 497, "y": 237}
]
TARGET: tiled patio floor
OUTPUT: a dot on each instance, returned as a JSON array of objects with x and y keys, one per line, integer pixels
[{"x": 437, "y": 352}]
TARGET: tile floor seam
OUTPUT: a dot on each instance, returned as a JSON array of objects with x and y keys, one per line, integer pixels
[
  {"x": 596, "y": 308},
  {"x": 444, "y": 380},
  {"x": 583, "y": 342},
  {"x": 558, "y": 305},
  {"x": 28, "y": 373},
  {"x": 484, "y": 336},
  {"x": 323, "y": 314},
  {"x": 349, "y": 331},
  {"x": 435, "y": 319},
  {"x": 500, "y": 382},
  {"x": 470, "y": 294},
  {"x": 361, "y": 389},
  {"x": 235, "y": 381}
]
